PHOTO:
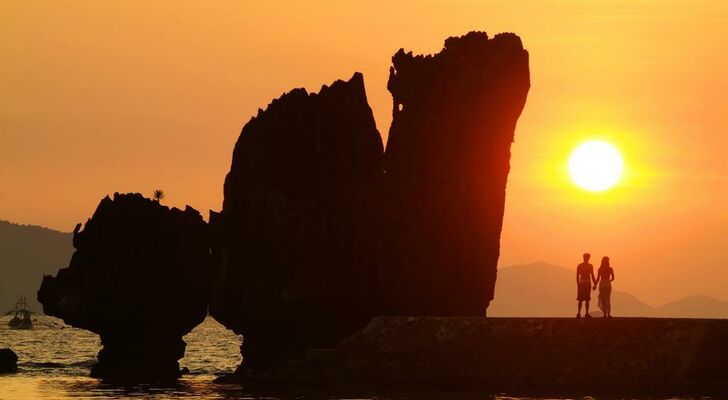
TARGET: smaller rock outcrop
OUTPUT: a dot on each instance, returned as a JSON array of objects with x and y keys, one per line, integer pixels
[
  {"x": 140, "y": 279},
  {"x": 8, "y": 361},
  {"x": 294, "y": 240}
]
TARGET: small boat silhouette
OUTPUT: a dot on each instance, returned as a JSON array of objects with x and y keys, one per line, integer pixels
[{"x": 21, "y": 319}]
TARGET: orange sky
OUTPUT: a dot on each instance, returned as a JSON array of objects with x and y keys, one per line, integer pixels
[{"x": 97, "y": 97}]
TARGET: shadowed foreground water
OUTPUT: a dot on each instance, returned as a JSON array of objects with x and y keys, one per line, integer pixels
[{"x": 55, "y": 361}]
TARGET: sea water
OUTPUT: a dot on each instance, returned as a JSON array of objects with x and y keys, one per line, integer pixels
[{"x": 55, "y": 360}]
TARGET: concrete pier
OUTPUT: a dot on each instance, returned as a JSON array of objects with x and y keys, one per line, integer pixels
[{"x": 550, "y": 356}]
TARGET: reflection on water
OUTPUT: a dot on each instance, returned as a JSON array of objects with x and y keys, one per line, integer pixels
[
  {"x": 191, "y": 387},
  {"x": 211, "y": 349},
  {"x": 52, "y": 348},
  {"x": 55, "y": 361},
  {"x": 69, "y": 387}
]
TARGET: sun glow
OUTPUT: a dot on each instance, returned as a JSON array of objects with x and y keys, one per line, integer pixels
[{"x": 595, "y": 166}]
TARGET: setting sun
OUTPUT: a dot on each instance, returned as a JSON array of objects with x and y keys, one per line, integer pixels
[{"x": 595, "y": 165}]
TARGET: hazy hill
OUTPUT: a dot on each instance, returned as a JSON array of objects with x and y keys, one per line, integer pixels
[
  {"x": 26, "y": 253},
  {"x": 547, "y": 290},
  {"x": 697, "y": 306},
  {"x": 542, "y": 289}
]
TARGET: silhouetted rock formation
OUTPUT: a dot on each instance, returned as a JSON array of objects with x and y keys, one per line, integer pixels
[
  {"x": 315, "y": 238},
  {"x": 140, "y": 279},
  {"x": 8, "y": 361},
  {"x": 295, "y": 231},
  {"x": 447, "y": 163}
]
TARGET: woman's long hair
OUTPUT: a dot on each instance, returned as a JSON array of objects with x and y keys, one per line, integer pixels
[{"x": 605, "y": 262}]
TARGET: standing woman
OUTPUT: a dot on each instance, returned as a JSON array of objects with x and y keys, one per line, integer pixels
[{"x": 605, "y": 276}]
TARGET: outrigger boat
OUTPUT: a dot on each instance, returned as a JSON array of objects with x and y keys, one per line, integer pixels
[{"x": 21, "y": 319}]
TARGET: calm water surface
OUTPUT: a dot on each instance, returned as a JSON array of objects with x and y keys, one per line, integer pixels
[{"x": 55, "y": 361}]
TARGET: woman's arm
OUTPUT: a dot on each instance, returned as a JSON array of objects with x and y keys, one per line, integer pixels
[
  {"x": 596, "y": 280},
  {"x": 612, "y": 272}
]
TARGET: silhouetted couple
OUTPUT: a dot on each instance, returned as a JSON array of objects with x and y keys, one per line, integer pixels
[{"x": 586, "y": 282}]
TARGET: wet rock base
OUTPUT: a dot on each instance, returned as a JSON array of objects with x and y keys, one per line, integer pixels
[
  {"x": 549, "y": 356},
  {"x": 8, "y": 361}
]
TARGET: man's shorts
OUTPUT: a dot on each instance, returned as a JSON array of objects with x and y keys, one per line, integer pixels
[{"x": 584, "y": 291}]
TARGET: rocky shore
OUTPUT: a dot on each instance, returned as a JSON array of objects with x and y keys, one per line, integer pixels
[
  {"x": 139, "y": 278},
  {"x": 623, "y": 356}
]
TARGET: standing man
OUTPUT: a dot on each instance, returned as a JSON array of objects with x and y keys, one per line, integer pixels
[{"x": 584, "y": 281}]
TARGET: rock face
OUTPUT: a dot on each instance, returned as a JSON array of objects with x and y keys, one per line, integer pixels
[
  {"x": 140, "y": 279},
  {"x": 8, "y": 361},
  {"x": 447, "y": 163},
  {"x": 320, "y": 230},
  {"x": 295, "y": 230}
]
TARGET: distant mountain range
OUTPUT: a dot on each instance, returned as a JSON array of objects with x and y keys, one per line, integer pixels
[
  {"x": 26, "y": 253},
  {"x": 542, "y": 289},
  {"x": 697, "y": 306}
]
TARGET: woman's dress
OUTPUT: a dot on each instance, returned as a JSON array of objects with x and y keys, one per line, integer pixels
[{"x": 605, "y": 292}]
